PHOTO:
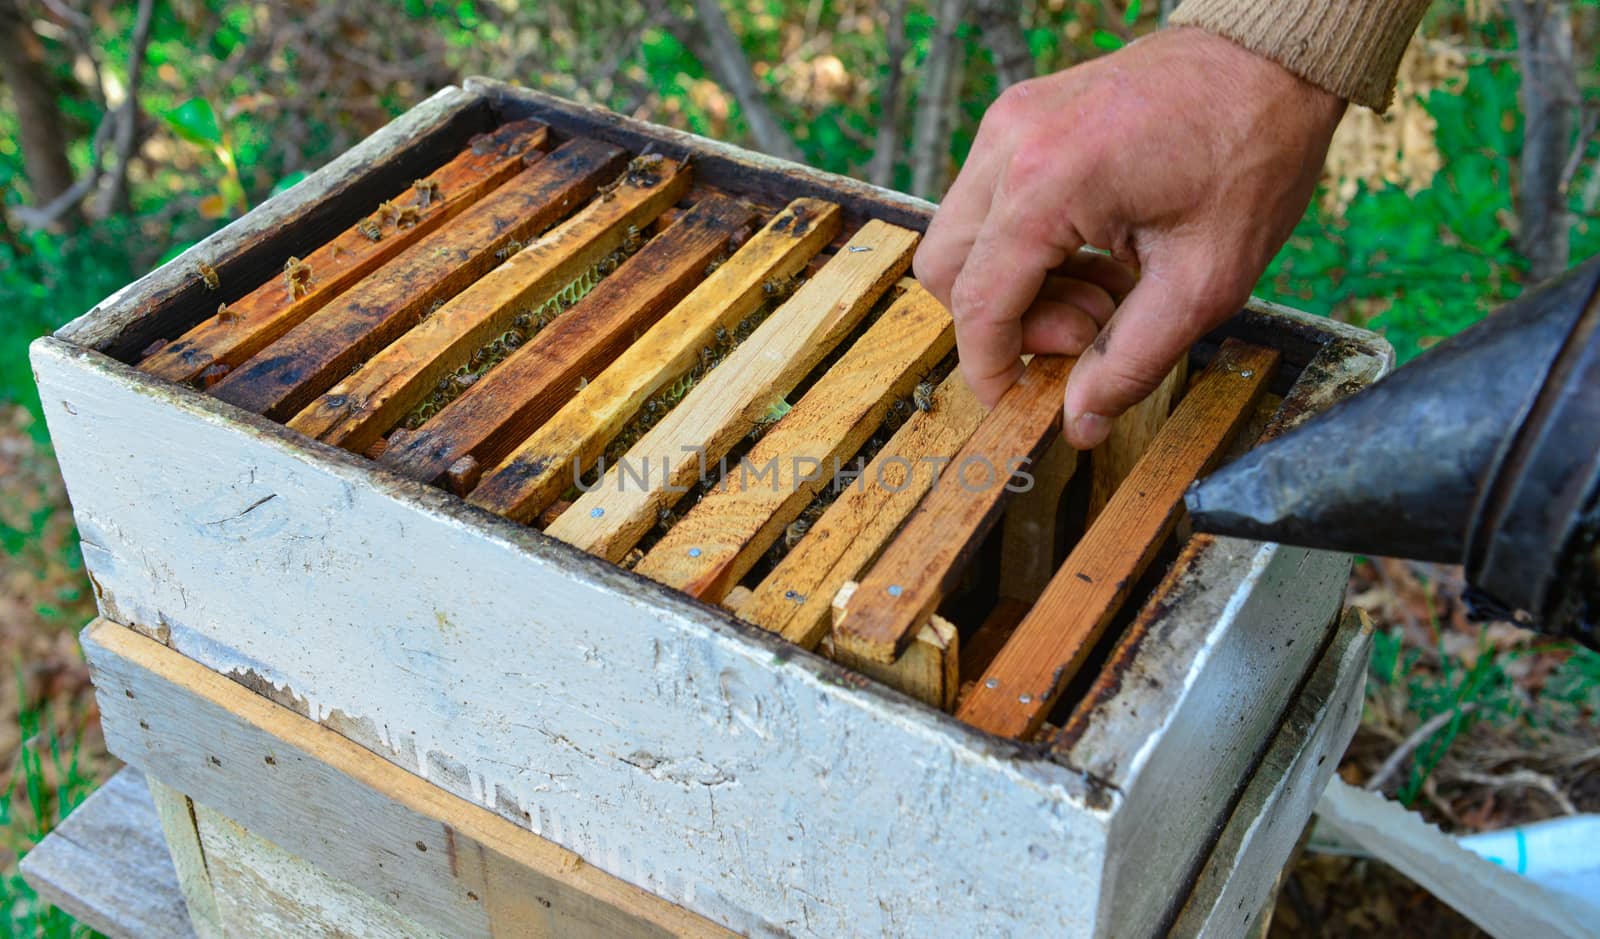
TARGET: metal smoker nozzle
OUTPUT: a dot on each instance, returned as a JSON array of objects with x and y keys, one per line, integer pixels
[{"x": 1485, "y": 451}]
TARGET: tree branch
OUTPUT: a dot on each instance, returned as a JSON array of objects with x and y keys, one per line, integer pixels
[
  {"x": 40, "y": 129},
  {"x": 114, "y": 198},
  {"x": 1550, "y": 99},
  {"x": 886, "y": 149},
  {"x": 1003, "y": 37},
  {"x": 941, "y": 80},
  {"x": 716, "y": 45}
]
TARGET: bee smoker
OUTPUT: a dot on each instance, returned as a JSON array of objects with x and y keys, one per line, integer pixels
[{"x": 1485, "y": 452}]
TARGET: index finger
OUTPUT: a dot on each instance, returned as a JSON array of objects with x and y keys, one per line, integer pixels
[
  {"x": 954, "y": 228},
  {"x": 1001, "y": 278}
]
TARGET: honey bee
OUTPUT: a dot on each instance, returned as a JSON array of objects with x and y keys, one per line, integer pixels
[
  {"x": 634, "y": 239},
  {"x": 407, "y": 217},
  {"x": 214, "y": 374},
  {"x": 208, "y": 275},
  {"x": 511, "y": 247},
  {"x": 372, "y": 227},
  {"x": 644, "y": 171},
  {"x": 797, "y": 529},
  {"x": 427, "y": 191},
  {"x": 775, "y": 288},
  {"x": 388, "y": 212},
  {"x": 922, "y": 396},
  {"x": 226, "y": 316},
  {"x": 297, "y": 276}
]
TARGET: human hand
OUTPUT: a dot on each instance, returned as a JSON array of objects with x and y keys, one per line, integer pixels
[{"x": 1183, "y": 154}]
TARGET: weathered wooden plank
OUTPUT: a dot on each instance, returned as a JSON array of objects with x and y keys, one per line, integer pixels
[
  {"x": 930, "y": 669},
  {"x": 176, "y": 812},
  {"x": 284, "y": 377},
  {"x": 718, "y": 541},
  {"x": 1115, "y": 458},
  {"x": 794, "y": 599},
  {"x": 107, "y": 866},
  {"x": 1019, "y": 688},
  {"x": 1031, "y": 531},
  {"x": 263, "y": 890},
  {"x": 260, "y": 317},
  {"x": 539, "y": 470},
  {"x": 535, "y": 381},
  {"x": 735, "y": 396},
  {"x": 924, "y": 562},
  {"x": 1240, "y": 874},
  {"x": 448, "y": 864},
  {"x": 356, "y": 411}
]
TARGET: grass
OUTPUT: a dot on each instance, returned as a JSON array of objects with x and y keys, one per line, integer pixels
[{"x": 47, "y": 782}]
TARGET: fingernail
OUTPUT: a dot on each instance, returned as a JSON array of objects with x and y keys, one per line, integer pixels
[{"x": 1088, "y": 430}]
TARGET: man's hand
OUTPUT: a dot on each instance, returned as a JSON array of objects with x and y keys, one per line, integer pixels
[{"x": 1183, "y": 154}]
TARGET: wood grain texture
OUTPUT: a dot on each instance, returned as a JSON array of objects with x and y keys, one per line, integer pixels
[
  {"x": 610, "y": 519},
  {"x": 107, "y": 866},
  {"x": 717, "y": 541},
  {"x": 285, "y": 376},
  {"x": 261, "y": 316},
  {"x": 925, "y": 560},
  {"x": 450, "y": 865},
  {"x": 1115, "y": 458},
  {"x": 516, "y": 397},
  {"x": 356, "y": 411},
  {"x": 930, "y": 669},
  {"x": 794, "y": 600},
  {"x": 176, "y": 812},
  {"x": 543, "y": 466},
  {"x": 1031, "y": 531},
  {"x": 1020, "y": 687},
  {"x": 263, "y": 890}
]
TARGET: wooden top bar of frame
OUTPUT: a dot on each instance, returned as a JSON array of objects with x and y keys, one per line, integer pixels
[
  {"x": 735, "y": 396},
  {"x": 718, "y": 541},
  {"x": 255, "y": 320},
  {"x": 309, "y": 359},
  {"x": 355, "y": 412},
  {"x": 544, "y": 465},
  {"x": 535, "y": 381},
  {"x": 924, "y": 561},
  {"x": 796, "y": 599},
  {"x": 1021, "y": 685}
]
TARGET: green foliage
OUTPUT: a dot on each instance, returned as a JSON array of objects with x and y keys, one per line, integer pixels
[
  {"x": 1421, "y": 267},
  {"x": 46, "y": 280},
  {"x": 47, "y": 783}
]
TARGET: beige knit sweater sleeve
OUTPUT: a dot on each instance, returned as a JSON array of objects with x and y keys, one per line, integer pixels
[{"x": 1349, "y": 47}]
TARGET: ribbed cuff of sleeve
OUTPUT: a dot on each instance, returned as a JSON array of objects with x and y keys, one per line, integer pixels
[{"x": 1351, "y": 48}]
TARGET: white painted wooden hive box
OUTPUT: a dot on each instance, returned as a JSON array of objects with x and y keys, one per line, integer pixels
[{"x": 343, "y": 452}]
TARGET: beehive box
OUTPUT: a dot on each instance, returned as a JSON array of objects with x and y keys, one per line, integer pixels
[{"x": 329, "y": 454}]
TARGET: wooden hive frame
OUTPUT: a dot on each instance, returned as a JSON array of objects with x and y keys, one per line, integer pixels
[{"x": 358, "y": 595}]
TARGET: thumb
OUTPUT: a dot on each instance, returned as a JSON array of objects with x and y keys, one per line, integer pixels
[{"x": 1134, "y": 351}]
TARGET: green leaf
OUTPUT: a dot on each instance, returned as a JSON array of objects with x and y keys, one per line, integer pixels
[
  {"x": 288, "y": 182},
  {"x": 1108, "y": 41},
  {"x": 195, "y": 121}
]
